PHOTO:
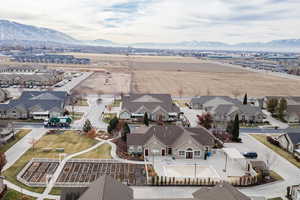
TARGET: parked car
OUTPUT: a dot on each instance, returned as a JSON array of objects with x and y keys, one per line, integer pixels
[{"x": 250, "y": 155}]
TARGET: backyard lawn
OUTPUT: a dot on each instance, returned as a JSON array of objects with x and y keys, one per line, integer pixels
[
  {"x": 14, "y": 195},
  {"x": 19, "y": 135},
  {"x": 71, "y": 141},
  {"x": 76, "y": 115},
  {"x": 281, "y": 152},
  {"x": 82, "y": 102},
  {"x": 102, "y": 152}
]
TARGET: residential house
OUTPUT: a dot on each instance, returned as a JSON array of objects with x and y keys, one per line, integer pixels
[
  {"x": 157, "y": 106},
  {"x": 36, "y": 105},
  {"x": 207, "y": 103},
  {"x": 6, "y": 131},
  {"x": 295, "y": 192},
  {"x": 290, "y": 140},
  {"x": 246, "y": 113},
  {"x": 171, "y": 140},
  {"x": 107, "y": 188}
]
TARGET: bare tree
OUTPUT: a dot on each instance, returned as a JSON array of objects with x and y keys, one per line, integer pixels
[
  {"x": 33, "y": 142},
  {"x": 236, "y": 93}
]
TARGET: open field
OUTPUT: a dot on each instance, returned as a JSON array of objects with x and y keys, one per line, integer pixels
[
  {"x": 278, "y": 150},
  {"x": 71, "y": 141},
  {"x": 19, "y": 135},
  {"x": 213, "y": 83},
  {"x": 168, "y": 74},
  {"x": 102, "y": 83}
]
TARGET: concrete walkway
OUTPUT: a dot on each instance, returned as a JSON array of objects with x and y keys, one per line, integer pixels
[
  {"x": 23, "y": 145},
  {"x": 27, "y": 192},
  {"x": 275, "y": 122}
]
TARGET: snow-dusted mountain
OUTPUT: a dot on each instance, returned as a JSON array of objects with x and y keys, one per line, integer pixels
[{"x": 11, "y": 31}]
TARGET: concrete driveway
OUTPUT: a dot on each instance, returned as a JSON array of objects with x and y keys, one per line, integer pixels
[{"x": 191, "y": 115}]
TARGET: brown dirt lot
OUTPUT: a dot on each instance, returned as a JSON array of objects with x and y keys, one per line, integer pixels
[
  {"x": 117, "y": 83},
  {"x": 218, "y": 83}
]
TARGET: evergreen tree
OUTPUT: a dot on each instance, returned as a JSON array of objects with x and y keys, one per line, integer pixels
[
  {"x": 126, "y": 130},
  {"x": 146, "y": 119},
  {"x": 236, "y": 128},
  {"x": 113, "y": 123},
  {"x": 281, "y": 108},
  {"x": 87, "y": 126},
  {"x": 245, "y": 102}
]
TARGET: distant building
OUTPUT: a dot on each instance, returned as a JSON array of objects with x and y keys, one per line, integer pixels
[
  {"x": 4, "y": 95},
  {"x": 290, "y": 140},
  {"x": 6, "y": 131}
]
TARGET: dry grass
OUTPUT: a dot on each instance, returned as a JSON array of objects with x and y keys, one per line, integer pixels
[
  {"x": 82, "y": 102},
  {"x": 217, "y": 83},
  {"x": 116, "y": 83},
  {"x": 19, "y": 135},
  {"x": 278, "y": 150},
  {"x": 71, "y": 141},
  {"x": 102, "y": 152}
]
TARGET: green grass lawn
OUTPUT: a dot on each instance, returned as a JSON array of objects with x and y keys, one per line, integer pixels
[
  {"x": 82, "y": 102},
  {"x": 14, "y": 195},
  {"x": 76, "y": 115},
  {"x": 278, "y": 150},
  {"x": 116, "y": 103},
  {"x": 102, "y": 152},
  {"x": 19, "y": 135},
  {"x": 108, "y": 116},
  {"x": 277, "y": 198},
  {"x": 71, "y": 141},
  {"x": 276, "y": 176}
]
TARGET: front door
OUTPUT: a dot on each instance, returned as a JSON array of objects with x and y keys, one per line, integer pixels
[
  {"x": 146, "y": 152},
  {"x": 163, "y": 152},
  {"x": 189, "y": 155}
]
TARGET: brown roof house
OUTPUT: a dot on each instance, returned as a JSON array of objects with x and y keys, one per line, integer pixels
[
  {"x": 171, "y": 140},
  {"x": 106, "y": 188},
  {"x": 157, "y": 106}
]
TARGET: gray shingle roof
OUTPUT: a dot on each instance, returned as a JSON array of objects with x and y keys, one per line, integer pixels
[
  {"x": 294, "y": 135},
  {"x": 203, "y": 99},
  {"x": 107, "y": 188},
  {"x": 46, "y": 100},
  {"x": 168, "y": 135},
  {"x": 133, "y": 102},
  {"x": 222, "y": 191}
]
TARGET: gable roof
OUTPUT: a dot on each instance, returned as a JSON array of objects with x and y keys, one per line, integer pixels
[
  {"x": 204, "y": 99},
  {"x": 134, "y": 102},
  {"x": 107, "y": 188},
  {"x": 294, "y": 135},
  {"x": 222, "y": 191},
  {"x": 45, "y": 100},
  {"x": 168, "y": 135}
]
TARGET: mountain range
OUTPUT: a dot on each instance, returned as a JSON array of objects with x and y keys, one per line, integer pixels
[{"x": 16, "y": 33}]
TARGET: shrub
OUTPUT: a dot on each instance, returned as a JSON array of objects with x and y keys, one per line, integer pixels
[{"x": 272, "y": 141}]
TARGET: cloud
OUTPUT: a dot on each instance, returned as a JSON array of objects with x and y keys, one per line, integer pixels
[{"x": 133, "y": 21}]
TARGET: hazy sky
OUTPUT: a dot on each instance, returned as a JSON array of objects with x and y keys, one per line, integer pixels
[{"x": 132, "y": 21}]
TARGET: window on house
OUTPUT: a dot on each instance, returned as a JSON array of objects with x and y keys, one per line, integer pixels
[
  {"x": 181, "y": 153},
  {"x": 197, "y": 153}
]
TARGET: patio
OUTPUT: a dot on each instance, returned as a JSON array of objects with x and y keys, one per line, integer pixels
[{"x": 213, "y": 167}]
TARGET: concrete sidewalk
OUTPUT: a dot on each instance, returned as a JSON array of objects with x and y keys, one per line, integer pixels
[{"x": 16, "y": 151}]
